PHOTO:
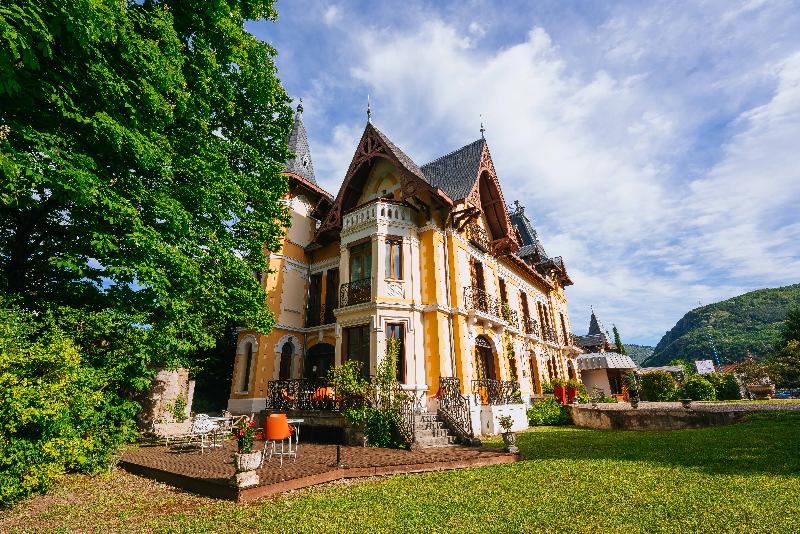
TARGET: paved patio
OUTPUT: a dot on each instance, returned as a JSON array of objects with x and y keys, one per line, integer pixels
[{"x": 208, "y": 472}]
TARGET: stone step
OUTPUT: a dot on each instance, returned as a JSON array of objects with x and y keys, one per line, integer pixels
[
  {"x": 427, "y": 417},
  {"x": 441, "y": 441},
  {"x": 432, "y": 432},
  {"x": 428, "y": 425}
]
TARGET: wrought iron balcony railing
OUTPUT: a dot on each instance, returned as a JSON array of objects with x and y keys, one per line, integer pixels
[
  {"x": 478, "y": 236},
  {"x": 480, "y": 300},
  {"x": 488, "y": 391},
  {"x": 355, "y": 292},
  {"x": 305, "y": 394},
  {"x": 531, "y": 326},
  {"x": 549, "y": 334},
  {"x": 454, "y": 407}
]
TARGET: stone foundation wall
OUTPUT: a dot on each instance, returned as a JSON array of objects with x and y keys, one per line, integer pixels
[{"x": 648, "y": 419}]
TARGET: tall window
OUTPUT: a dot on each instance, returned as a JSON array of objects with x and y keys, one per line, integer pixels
[
  {"x": 357, "y": 343},
  {"x": 396, "y": 331},
  {"x": 394, "y": 257},
  {"x": 314, "y": 300},
  {"x": 564, "y": 328},
  {"x": 331, "y": 294},
  {"x": 247, "y": 368},
  {"x": 286, "y": 361},
  {"x": 476, "y": 271},
  {"x": 503, "y": 292},
  {"x": 361, "y": 261},
  {"x": 523, "y": 298}
]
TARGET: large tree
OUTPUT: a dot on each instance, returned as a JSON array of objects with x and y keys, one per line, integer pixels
[{"x": 141, "y": 145}]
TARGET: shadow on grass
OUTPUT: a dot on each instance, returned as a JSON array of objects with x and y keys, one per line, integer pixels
[{"x": 767, "y": 442}]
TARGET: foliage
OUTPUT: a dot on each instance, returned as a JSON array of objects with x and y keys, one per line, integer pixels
[
  {"x": 657, "y": 386},
  {"x": 558, "y": 382},
  {"x": 548, "y": 412},
  {"x": 618, "y": 341},
  {"x": 752, "y": 322},
  {"x": 506, "y": 422},
  {"x": 688, "y": 367},
  {"x": 55, "y": 416},
  {"x": 572, "y": 383},
  {"x": 790, "y": 330},
  {"x": 633, "y": 384},
  {"x": 141, "y": 167},
  {"x": 380, "y": 428},
  {"x": 784, "y": 365},
  {"x": 547, "y": 388},
  {"x": 734, "y": 478},
  {"x": 179, "y": 409},
  {"x": 700, "y": 389},
  {"x": 638, "y": 353},
  {"x": 245, "y": 435},
  {"x": 752, "y": 372},
  {"x": 726, "y": 387},
  {"x": 347, "y": 381}
]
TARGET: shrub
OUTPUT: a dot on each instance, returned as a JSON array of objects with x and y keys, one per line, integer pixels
[
  {"x": 725, "y": 385},
  {"x": 547, "y": 388},
  {"x": 700, "y": 389},
  {"x": 659, "y": 386},
  {"x": 548, "y": 412},
  {"x": 56, "y": 414}
]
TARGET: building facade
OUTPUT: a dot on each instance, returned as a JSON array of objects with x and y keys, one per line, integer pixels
[{"x": 429, "y": 255}]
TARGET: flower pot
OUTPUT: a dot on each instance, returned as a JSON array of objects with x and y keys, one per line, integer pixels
[
  {"x": 634, "y": 402},
  {"x": 510, "y": 441},
  {"x": 560, "y": 394},
  {"x": 246, "y": 461},
  {"x": 687, "y": 403},
  {"x": 571, "y": 394},
  {"x": 761, "y": 391}
]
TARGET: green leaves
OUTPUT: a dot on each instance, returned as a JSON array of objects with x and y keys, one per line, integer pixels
[{"x": 142, "y": 169}]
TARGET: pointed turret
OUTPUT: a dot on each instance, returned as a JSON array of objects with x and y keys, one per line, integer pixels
[
  {"x": 301, "y": 165},
  {"x": 594, "y": 325}
]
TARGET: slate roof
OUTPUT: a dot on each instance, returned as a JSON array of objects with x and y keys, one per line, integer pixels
[
  {"x": 455, "y": 173},
  {"x": 594, "y": 326},
  {"x": 529, "y": 239},
  {"x": 407, "y": 162},
  {"x": 301, "y": 164},
  {"x": 604, "y": 360}
]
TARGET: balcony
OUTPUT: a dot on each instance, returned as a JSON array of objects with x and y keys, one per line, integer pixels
[
  {"x": 478, "y": 300},
  {"x": 477, "y": 236},
  {"x": 489, "y": 391},
  {"x": 372, "y": 213},
  {"x": 355, "y": 292},
  {"x": 549, "y": 334},
  {"x": 510, "y": 316}
]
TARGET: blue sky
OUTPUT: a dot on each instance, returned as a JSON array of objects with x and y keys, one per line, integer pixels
[{"x": 656, "y": 145}]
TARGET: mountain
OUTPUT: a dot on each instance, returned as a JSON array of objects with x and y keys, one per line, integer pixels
[
  {"x": 747, "y": 323},
  {"x": 638, "y": 353}
]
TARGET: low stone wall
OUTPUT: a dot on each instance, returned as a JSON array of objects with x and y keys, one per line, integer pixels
[{"x": 651, "y": 418}]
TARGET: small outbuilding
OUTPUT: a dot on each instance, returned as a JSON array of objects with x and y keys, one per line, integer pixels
[{"x": 606, "y": 371}]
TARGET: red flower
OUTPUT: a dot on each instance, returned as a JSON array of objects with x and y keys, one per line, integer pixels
[
  {"x": 241, "y": 433},
  {"x": 259, "y": 435},
  {"x": 251, "y": 423}
]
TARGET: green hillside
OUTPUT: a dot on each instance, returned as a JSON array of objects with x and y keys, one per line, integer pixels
[
  {"x": 749, "y": 322},
  {"x": 638, "y": 353}
]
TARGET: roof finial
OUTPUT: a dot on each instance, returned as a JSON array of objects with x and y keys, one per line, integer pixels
[
  {"x": 482, "y": 128},
  {"x": 369, "y": 111},
  {"x": 300, "y": 106}
]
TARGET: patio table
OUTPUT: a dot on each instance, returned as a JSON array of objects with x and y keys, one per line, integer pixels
[{"x": 296, "y": 423}]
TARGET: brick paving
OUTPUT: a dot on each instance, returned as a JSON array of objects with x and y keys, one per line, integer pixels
[{"x": 208, "y": 472}]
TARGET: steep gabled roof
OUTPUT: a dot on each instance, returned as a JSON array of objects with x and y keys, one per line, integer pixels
[
  {"x": 455, "y": 173},
  {"x": 401, "y": 156},
  {"x": 594, "y": 325},
  {"x": 529, "y": 239},
  {"x": 301, "y": 164}
]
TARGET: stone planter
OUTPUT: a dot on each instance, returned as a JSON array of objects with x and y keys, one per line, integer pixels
[
  {"x": 248, "y": 461},
  {"x": 634, "y": 402},
  {"x": 761, "y": 391},
  {"x": 560, "y": 393},
  {"x": 687, "y": 403},
  {"x": 510, "y": 441},
  {"x": 572, "y": 393}
]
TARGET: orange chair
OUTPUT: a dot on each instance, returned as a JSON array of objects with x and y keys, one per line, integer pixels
[{"x": 277, "y": 430}]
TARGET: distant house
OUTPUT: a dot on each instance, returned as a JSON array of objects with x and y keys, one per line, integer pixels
[{"x": 600, "y": 366}]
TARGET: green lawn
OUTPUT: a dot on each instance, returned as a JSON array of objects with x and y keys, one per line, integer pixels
[{"x": 741, "y": 478}]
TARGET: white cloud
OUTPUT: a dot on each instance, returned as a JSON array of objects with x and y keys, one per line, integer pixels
[
  {"x": 331, "y": 15},
  {"x": 605, "y": 153}
]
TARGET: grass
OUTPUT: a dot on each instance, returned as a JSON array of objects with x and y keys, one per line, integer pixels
[{"x": 740, "y": 478}]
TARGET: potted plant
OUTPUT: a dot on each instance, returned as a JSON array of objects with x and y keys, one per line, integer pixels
[
  {"x": 246, "y": 459},
  {"x": 632, "y": 383},
  {"x": 756, "y": 378},
  {"x": 558, "y": 390},
  {"x": 509, "y": 437},
  {"x": 572, "y": 390},
  {"x": 596, "y": 396}
]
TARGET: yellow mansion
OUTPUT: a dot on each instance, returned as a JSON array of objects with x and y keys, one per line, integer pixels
[{"x": 431, "y": 255}]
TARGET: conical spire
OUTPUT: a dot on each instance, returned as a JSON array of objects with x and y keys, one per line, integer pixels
[
  {"x": 301, "y": 164},
  {"x": 594, "y": 325}
]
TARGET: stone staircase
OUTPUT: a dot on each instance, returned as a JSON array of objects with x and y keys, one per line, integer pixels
[{"x": 430, "y": 431}]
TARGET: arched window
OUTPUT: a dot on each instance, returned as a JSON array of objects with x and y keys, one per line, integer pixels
[
  {"x": 286, "y": 361},
  {"x": 484, "y": 359},
  {"x": 247, "y": 368}
]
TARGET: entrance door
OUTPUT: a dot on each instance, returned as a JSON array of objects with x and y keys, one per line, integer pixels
[
  {"x": 286, "y": 361},
  {"x": 484, "y": 360}
]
